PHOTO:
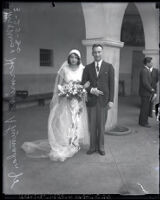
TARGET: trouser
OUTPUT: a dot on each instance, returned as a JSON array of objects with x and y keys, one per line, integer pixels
[
  {"x": 151, "y": 106},
  {"x": 144, "y": 110},
  {"x": 97, "y": 116}
]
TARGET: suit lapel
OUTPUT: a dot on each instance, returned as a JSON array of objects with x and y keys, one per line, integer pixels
[
  {"x": 94, "y": 70},
  {"x": 101, "y": 69}
]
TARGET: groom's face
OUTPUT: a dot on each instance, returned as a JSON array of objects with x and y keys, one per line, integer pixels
[
  {"x": 149, "y": 64},
  {"x": 97, "y": 53}
]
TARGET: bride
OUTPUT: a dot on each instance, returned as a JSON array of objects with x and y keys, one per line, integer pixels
[{"x": 68, "y": 120}]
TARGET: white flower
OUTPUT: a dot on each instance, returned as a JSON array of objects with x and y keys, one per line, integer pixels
[
  {"x": 60, "y": 88},
  {"x": 84, "y": 90}
]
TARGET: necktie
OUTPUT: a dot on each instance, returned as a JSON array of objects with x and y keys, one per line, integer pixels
[{"x": 97, "y": 67}]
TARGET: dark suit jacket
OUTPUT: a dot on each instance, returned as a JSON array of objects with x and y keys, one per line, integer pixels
[
  {"x": 145, "y": 83},
  {"x": 104, "y": 82}
]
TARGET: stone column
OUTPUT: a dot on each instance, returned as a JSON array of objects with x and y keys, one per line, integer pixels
[{"x": 111, "y": 54}]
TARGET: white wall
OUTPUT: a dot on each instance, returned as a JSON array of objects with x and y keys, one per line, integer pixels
[{"x": 60, "y": 28}]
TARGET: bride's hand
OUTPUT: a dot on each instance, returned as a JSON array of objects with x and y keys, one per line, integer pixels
[
  {"x": 60, "y": 88},
  {"x": 87, "y": 84}
]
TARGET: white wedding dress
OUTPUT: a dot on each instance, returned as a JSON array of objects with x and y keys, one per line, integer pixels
[{"x": 67, "y": 127}]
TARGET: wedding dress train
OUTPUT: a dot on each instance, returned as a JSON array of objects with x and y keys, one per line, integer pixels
[{"x": 67, "y": 123}]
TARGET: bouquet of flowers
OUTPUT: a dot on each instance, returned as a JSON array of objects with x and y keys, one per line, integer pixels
[{"x": 72, "y": 90}]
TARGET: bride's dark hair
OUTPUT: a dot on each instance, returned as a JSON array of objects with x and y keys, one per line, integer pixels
[{"x": 78, "y": 58}]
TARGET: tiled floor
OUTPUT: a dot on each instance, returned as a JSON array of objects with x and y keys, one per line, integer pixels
[{"x": 131, "y": 163}]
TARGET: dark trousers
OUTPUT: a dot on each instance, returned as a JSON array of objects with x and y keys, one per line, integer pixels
[
  {"x": 151, "y": 106},
  {"x": 97, "y": 116},
  {"x": 144, "y": 110}
]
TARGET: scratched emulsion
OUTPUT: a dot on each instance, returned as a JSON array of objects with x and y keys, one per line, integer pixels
[{"x": 10, "y": 132}]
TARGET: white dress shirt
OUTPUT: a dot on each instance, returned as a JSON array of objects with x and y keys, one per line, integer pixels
[
  {"x": 99, "y": 64},
  {"x": 150, "y": 69}
]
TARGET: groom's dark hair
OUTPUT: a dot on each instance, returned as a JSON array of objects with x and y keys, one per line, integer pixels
[
  {"x": 147, "y": 60},
  {"x": 97, "y": 45}
]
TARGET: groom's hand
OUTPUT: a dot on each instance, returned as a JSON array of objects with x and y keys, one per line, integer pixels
[
  {"x": 154, "y": 97},
  {"x": 110, "y": 104},
  {"x": 96, "y": 92}
]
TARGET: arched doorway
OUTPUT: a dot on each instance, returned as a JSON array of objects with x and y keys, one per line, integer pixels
[
  {"x": 131, "y": 55},
  {"x": 103, "y": 23},
  {"x": 131, "y": 62}
]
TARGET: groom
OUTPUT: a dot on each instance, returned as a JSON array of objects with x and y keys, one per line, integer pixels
[{"x": 100, "y": 74}]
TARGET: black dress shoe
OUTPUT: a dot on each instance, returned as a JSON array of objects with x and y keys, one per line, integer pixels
[
  {"x": 146, "y": 125},
  {"x": 102, "y": 153},
  {"x": 89, "y": 152}
]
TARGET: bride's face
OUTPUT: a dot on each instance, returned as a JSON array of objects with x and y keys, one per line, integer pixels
[{"x": 73, "y": 59}]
